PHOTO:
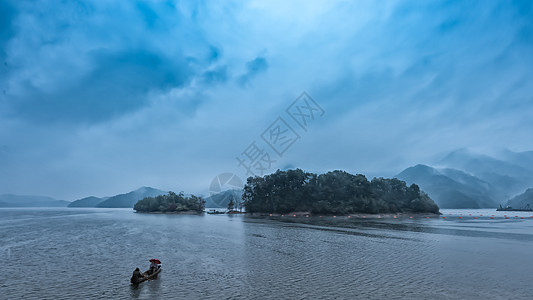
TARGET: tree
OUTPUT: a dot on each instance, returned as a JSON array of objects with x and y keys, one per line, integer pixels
[
  {"x": 336, "y": 192},
  {"x": 231, "y": 204},
  {"x": 170, "y": 203}
]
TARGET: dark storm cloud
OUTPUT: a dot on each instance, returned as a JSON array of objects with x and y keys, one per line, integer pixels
[
  {"x": 115, "y": 57},
  {"x": 119, "y": 83},
  {"x": 7, "y": 14}
]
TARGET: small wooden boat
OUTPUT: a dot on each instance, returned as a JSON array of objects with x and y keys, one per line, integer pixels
[
  {"x": 509, "y": 208},
  {"x": 151, "y": 276}
]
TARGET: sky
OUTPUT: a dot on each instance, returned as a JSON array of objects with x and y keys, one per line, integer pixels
[{"x": 103, "y": 97}]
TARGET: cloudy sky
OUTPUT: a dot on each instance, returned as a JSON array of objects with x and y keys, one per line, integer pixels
[{"x": 102, "y": 97}]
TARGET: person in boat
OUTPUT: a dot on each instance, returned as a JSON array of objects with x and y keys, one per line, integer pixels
[
  {"x": 137, "y": 275},
  {"x": 153, "y": 266}
]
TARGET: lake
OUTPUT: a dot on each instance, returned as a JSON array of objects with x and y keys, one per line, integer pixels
[{"x": 69, "y": 253}]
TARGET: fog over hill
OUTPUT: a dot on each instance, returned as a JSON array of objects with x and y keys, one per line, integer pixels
[
  {"x": 513, "y": 173},
  {"x": 125, "y": 200},
  {"x": 465, "y": 179},
  {"x": 461, "y": 179},
  {"x": 10, "y": 200},
  {"x": 522, "y": 200},
  {"x": 87, "y": 202},
  {"x": 129, "y": 199},
  {"x": 450, "y": 188},
  {"x": 222, "y": 199}
]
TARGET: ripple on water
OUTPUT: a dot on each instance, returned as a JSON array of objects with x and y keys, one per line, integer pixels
[{"x": 91, "y": 255}]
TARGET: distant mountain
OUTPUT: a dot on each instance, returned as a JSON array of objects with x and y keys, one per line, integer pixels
[
  {"x": 474, "y": 184},
  {"x": 10, "y": 200},
  {"x": 511, "y": 174},
  {"x": 465, "y": 179},
  {"x": 522, "y": 200},
  {"x": 221, "y": 200},
  {"x": 87, "y": 202},
  {"x": 524, "y": 159},
  {"x": 451, "y": 188},
  {"x": 128, "y": 200}
]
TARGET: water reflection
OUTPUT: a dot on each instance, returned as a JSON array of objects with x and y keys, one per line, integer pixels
[{"x": 386, "y": 227}]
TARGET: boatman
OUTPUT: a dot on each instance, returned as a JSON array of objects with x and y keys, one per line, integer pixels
[
  {"x": 137, "y": 275},
  {"x": 153, "y": 266}
]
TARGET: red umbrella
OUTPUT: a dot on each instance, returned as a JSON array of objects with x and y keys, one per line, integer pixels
[{"x": 157, "y": 261}]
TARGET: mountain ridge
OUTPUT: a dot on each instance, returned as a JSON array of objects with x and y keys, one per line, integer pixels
[
  {"x": 446, "y": 191},
  {"x": 465, "y": 179},
  {"x": 12, "y": 200},
  {"x": 128, "y": 200},
  {"x": 520, "y": 201},
  {"x": 90, "y": 201}
]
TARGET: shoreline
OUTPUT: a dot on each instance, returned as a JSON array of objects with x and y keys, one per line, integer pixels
[
  {"x": 354, "y": 215},
  {"x": 188, "y": 212},
  {"x": 306, "y": 214}
]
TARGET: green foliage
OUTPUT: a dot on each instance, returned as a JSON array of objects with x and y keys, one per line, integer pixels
[
  {"x": 336, "y": 192},
  {"x": 170, "y": 203}
]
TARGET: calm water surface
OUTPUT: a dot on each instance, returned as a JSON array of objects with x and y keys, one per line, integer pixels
[{"x": 90, "y": 254}]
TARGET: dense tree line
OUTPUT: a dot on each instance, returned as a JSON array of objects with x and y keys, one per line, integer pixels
[
  {"x": 170, "y": 203},
  {"x": 336, "y": 192}
]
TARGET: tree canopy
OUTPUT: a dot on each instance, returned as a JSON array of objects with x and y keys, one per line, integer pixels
[
  {"x": 170, "y": 203},
  {"x": 336, "y": 192}
]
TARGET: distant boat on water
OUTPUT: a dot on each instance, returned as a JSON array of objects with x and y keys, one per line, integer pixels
[{"x": 509, "y": 208}]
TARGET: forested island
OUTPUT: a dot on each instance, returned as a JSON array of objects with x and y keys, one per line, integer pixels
[
  {"x": 170, "y": 203},
  {"x": 336, "y": 192}
]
